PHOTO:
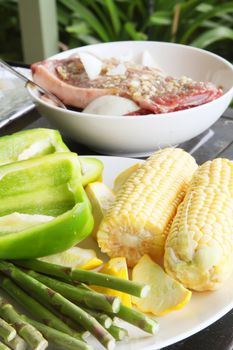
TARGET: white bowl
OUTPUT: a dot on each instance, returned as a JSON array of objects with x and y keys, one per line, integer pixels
[{"x": 141, "y": 135}]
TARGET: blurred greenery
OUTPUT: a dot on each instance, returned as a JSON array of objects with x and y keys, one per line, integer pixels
[
  {"x": 10, "y": 41},
  {"x": 205, "y": 24}
]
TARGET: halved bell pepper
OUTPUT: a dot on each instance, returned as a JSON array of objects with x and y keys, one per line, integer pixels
[
  {"x": 92, "y": 169},
  {"x": 30, "y": 144},
  {"x": 48, "y": 186},
  {"x": 33, "y": 143}
]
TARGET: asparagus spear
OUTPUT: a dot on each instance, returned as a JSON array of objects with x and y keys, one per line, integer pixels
[
  {"x": 4, "y": 347},
  {"x": 30, "y": 334},
  {"x": 138, "y": 319},
  {"x": 48, "y": 315},
  {"x": 17, "y": 343},
  {"x": 117, "y": 332},
  {"x": 103, "y": 319},
  {"x": 7, "y": 332},
  {"x": 130, "y": 315},
  {"x": 84, "y": 334},
  {"x": 58, "y": 338},
  {"x": 85, "y": 276},
  {"x": 36, "y": 308},
  {"x": 80, "y": 294},
  {"x": 48, "y": 295}
]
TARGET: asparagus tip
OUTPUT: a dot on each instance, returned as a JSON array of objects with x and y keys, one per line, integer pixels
[
  {"x": 154, "y": 326},
  {"x": 17, "y": 343},
  {"x": 118, "y": 333},
  {"x": 11, "y": 335},
  {"x": 42, "y": 345},
  {"x": 86, "y": 334},
  {"x": 111, "y": 344},
  {"x": 145, "y": 290},
  {"x": 116, "y": 304},
  {"x": 107, "y": 323}
]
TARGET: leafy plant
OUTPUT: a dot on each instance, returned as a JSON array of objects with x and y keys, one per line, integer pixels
[
  {"x": 202, "y": 23},
  {"x": 89, "y": 21},
  {"x": 205, "y": 24},
  {"x": 10, "y": 42}
]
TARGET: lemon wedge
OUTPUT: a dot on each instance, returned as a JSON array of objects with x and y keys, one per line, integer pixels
[
  {"x": 123, "y": 176},
  {"x": 101, "y": 197},
  {"x": 75, "y": 257},
  {"x": 115, "y": 267},
  {"x": 165, "y": 295}
]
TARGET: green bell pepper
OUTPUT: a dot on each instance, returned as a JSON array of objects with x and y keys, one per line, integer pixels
[
  {"x": 33, "y": 143},
  {"x": 30, "y": 144},
  {"x": 91, "y": 168},
  {"x": 49, "y": 189}
]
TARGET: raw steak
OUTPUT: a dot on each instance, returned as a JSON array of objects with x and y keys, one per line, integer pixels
[
  {"x": 45, "y": 74},
  {"x": 148, "y": 87}
]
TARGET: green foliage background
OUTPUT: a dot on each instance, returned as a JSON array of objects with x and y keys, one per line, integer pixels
[{"x": 205, "y": 24}]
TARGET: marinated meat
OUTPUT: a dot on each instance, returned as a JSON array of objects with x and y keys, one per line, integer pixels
[
  {"x": 148, "y": 87},
  {"x": 45, "y": 74}
]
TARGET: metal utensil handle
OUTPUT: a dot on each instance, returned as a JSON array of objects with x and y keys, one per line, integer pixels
[
  {"x": 14, "y": 71},
  {"x": 30, "y": 82}
]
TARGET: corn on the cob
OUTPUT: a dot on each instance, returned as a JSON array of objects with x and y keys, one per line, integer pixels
[
  {"x": 138, "y": 220},
  {"x": 199, "y": 246}
]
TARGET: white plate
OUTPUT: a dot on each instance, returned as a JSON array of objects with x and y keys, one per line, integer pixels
[{"x": 203, "y": 309}]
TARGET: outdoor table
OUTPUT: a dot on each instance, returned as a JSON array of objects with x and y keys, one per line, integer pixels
[{"x": 215, "y": 142}]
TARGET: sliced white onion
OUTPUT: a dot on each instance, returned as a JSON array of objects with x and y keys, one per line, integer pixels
[
  {"x": 91, "y": 64},
  {"x": 120, "y": 69},
  {"x": 148, "y": 60},
  {"x": 126, "y": 57},
  {"x": 111, "y": 105}
]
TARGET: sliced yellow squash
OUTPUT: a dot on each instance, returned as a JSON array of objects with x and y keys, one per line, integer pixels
[
  {"x": 101, "y": 197},
  {"x": 165, "y": 295},
  {"x": 75, "y": 257}
]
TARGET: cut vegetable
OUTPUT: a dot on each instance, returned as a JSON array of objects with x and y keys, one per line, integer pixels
[
  {"x": 101, "y": 197},
  {"x": 35, "y": 308},
  {"x": 92, "y": 264},
  {"x": 80, "y": 293},
  {"x": 49, "y": 296},
  {"x": 111, "y": 105},
  {"x": 91, "y": 63},
  {"x": 165, "y": 295},
  {"x": 92, "y": 169},
  {"x": 44, "y": 186},
  {"x": 120, "y": 69},
  {"x": 75, "y": 257},
  {"x": 77, "y": 276},
  {"x": 149, "y": 61},
  {"x": 115, "y": 267},
  {"x": 35, "y": 143},
  {"x": 62, "y": 340},
  {"x": 30, "y": 334},
  {"x": 124, "y": 175},
  {"x": 30, "y": 144},
  {"x": 16, "y": 222}
]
